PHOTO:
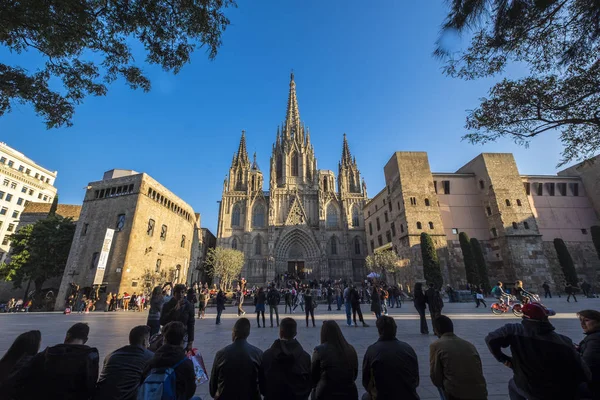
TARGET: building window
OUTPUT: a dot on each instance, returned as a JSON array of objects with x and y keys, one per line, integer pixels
[
  {"x": 85, "y": 229},
  {"x": 183, "y": 241},
  {"x": 234, "y": 244},
  {"x": 455, "y": 231},
  {"x": 37, "y": 175},
  {"x": 539, "y": 188},
  {"x": 525, "y": 225},
  {"x": 10, "y": 228},
  {"x": 15, "y": 214},
  {"x": 5, "y": 241},
  {"x": 21, "y": 168},
  {"x": 9, "y": 197},
  {"x": 163, "y": 232},
  {"x": 235, "y": 215},
  {"x": 45, "y": 198},
  {"x": 388, "y": 236},
  {"x": 13, "y": 185},
  {"x": 95, "y": 257},
  {"x": 550, "y": 188},
  {"x": 325, "y": 185},
  {"x": 120, "y": 222},
  {"x": 3, "y": 160},
  {"x": 393, "y": 228},
  {"x": 355, "y": 217},
  {"x": 295, "y": 164},
  {"x": 380, "y": 240},
  {"x": 399, "y": 206},
  {"x": 574, "y": 189},
  {"x": 369, "y": 213},
  {"x": 584, "y": 231},
  {"x": 562, "y": 188},
  {"x": 370, "y": 228},
  {"x": 31, "y": 192},
  {"x": 446, "y": 187},
  {"x": 258, "y": 216},
  {"x": 28, "y": 171},
  {"x": 413, "y": 201},
  {"x": 385, "y": 217},
  {"x": 519, "y": 203},
  {"x": 333, "y": 246},
  {"x": 3, "y": 211},
  {"x": 527, "y": 186},
  {"x": 6, "y": 182},
  {"x": 401, "y": 228},
  {"x": 435, "y": 186},
  {"x": 390, "y": 205},
  {"x": 258, "y": 246},
  {"x": 426, "y": 202},
  {"x": 24, "y": 189},
  {"x": 11, "y": 163},
  {"x": 372, "y": 246},
  {"x": 515, "y": 225},
  {"x": 356, "y": 246},
  {"x": 376, "y": 207},
  {"x": 150, "y": 229},
  {"x": 2, "y": 195},
  {"x": 507, "y": 202},
  {"x": 430, "y": 225},
  {"x": 279, "y": 166},
  {"x": 488, "y": 210},
  {"x": 494, "y": 232},
  {"x": 332, "y": 216},
  {"x": 158, "y": 263},
  {"x": 378, "y": 224},
  {"x": 419, "y": 226},
  {"x": 481, "y": 184},
  {"x": 20, "y": 201}
]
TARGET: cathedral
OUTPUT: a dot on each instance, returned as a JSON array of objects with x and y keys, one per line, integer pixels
[{"x": 305, "y": 224}]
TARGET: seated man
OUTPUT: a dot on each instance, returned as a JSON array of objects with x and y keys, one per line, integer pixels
[
  {"x": 66, "y": 371},
  {"x": 123, "y": 368},
  {"x": 390, "y": 367},
  {"x": 285, "y": 367},
  {"x": 235, "y": 371},
  {"x": 172, "y": 355},
  {"x": 455, "y": 365}
]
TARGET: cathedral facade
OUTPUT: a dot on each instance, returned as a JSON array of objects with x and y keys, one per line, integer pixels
[{"x": 310, "y": 222}]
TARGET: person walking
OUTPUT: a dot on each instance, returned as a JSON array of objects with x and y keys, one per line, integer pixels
[
  {"x": 338, "y": 297},
  {"x": 570, "y": 291},
  {"x": 347, "y": 305},
  {"x": 299, "y": 300},
  {"x": 309, "y": 307},
  {"x": 355, "y": 305},
  {"x": 220, "y": 300},
  {"x": 420, "y": 302},
  {"x": 287, "y": 297},
  {"x": 329, "y": 297},
  {"x": 334, "y": 366},
  {"x": 547, "y": 292},
  {"x": 241, "y": 296},
  {"x": 480, "y": 298},
  {"x": 435, "y": 303},
  {"x": 259, "y": 306},
  {"x": 375, "y": 303},
  {"x": 273, "y": 298},
  {"x": 156, "y": 303}
]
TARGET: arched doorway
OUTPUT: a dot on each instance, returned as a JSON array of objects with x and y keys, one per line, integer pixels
[{"x": 296, "y": 252}]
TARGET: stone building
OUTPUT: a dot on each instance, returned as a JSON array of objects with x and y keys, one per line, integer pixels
[
  {"x": 203, "y": 240},
  {"x": 305, "y": 223},
  {"x": 515, "y": 217},
  {"x": 22, "y": 181},
  {"x": 130, "y": 227}
]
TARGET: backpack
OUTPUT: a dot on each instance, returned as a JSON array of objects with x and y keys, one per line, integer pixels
[
  {"x": 161, "y": 384},
  {"x": 496, "y": 291}
]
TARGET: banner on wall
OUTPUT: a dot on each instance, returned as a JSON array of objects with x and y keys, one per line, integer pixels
[{"x": 103, "y": 257}]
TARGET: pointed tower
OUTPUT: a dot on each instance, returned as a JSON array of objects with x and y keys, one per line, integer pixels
[
  {"x": 349, "y": 176},
  {"x": 240, "y": 167},
  {"x": 255, "y": 177}
]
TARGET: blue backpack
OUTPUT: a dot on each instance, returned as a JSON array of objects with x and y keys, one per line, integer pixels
[
  {"x": 161, "y": 384},
  {"x": 496, "y": 291}
]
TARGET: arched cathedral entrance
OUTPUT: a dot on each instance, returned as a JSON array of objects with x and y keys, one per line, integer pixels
[{"x": 296, "y": 252}]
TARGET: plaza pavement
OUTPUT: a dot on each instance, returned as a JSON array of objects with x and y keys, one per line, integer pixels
[{"x": 110, "y": 331}]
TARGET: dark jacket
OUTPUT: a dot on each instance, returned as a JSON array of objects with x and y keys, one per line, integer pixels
[
  {"x": 122, "y": 373},
  {"x": 285, "y": 371},
  {"x": 168, "y": 356},
  {"x": 419, "y": 299},
  {"x": 308, "y": 301},
  {"x": 354, "y": 297},
  {"x": 260, "y": 298},
  {"x": 589, "y": 348},
  {"x": 434, "y": 300},
  {"x": 185, "y": 315},
  {"x": 220, "y": 301},
  {"x": 333, "y": 374},
  {"x": 273, "y": 297},
  {"x": 375, "y": 302},
  {"x": 235, "y": 372},
  {"x": 61, "y": 372},
  {"x": 545, "y": 364},
  {"x": 391, "y": 370}
]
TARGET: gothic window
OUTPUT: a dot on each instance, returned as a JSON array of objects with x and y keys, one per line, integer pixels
[
  {"x": 519, "y": 203},
  {"x": 430, "y": 225},
  {"x": 426, "y": 202},
  {"x": 356, "y": 245},
  {"x": 295, "y": 166},
  {"x": 507, "y": 202},
  {"x": 95, "y": 258},
  {"x": 234, "y": 244},
  {"x": 163, "y": 232},
  {"x": 253, "y": 182},
  {"x": 239, "y": 180},
  {"x": 332, "y": 216},
  {"x": 370, "y": 228},
  {"x": 525, "y": 225},
  {"x": 515, "y": 225},
  {"x": 258, "y": 246},
  {"x": 279, "y": 166},
  {"x": 158, "y": 263},
  {"x": 333, "y": 246},
  {"x": 235, "y": 215},
  {"x": 150, "y": 229},
  {"x": 355, "y": 220},
  {"x": 258, "y": 216},
  {"x": 419, "y": 226},
  {"x": 325, "y": 184},
  {"x": 120, "y": 222},
  {"x": 183, "y": 241}
]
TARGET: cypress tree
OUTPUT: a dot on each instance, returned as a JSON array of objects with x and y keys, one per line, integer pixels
[
  {"x": 431, "y": 264},
  {"x": 53, "y": 207},
  {"x": 595, "y": 230},
  {"x": 566, "y": 262},
  {"x": 482, "y": 269},
  {"x": 469, "y": 259}
]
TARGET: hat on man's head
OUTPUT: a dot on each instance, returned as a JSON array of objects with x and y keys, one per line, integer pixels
[{"x": 536, "y": 311}]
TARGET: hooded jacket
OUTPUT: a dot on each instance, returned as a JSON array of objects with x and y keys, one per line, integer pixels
[
  {"x": 545, "y": 364},
  {"x": 169, "y": 355},
  {"x": 184, "y": 315},
  {"x": 285, "y": 371}
]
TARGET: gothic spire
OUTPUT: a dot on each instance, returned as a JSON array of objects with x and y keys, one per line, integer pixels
[
  {"x": 254, "y": 163},
  {"x": 292, "y": 119},
  {"x": 346, "y": 156},
  {"x": 241, "y": 157}
]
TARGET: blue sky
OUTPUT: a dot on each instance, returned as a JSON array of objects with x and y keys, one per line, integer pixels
[{"x": 364, "y": 70}]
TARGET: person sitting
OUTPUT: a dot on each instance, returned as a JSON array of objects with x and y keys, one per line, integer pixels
[
  {"x": 172, "y": 355},
  {"x": 285, "y": 366},
  {"x": 123, "y": 367},
  {"x": 178, "y": 308},
  {"x": 67, "y": 371},
  {"x": 589, "y": 349},
  {"x": 235, "y": 371},
  {"x": 545, "y": 364},
  {"x": 334, "y": 366},
  {"x": 25, "y": 346},
  {"x": 390, "y": 367},
  {"x": 455, "y": 365}
]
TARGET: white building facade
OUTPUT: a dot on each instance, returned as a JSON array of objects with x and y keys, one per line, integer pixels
[{"x": 21, "y": 181}]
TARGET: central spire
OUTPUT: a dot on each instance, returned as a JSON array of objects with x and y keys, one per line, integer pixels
[
  {"x": 292, "y": 118},
  {"x": 346, "y": 156},
  {"x": 241, "y": 157}
]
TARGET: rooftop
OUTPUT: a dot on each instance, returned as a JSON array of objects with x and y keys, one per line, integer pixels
[{"x": 64, "y": 210}]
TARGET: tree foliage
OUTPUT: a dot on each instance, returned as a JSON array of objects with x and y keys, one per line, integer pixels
[
  {"x": 87, "y": 44},
  {"x": 595, "y": 231},
  {"x": 468, "y": 259},
  {"x": 53, "y": 206},
  {"x": 39, "y": 251},
  {"x": 383, "y": 261},
  {"x": 558, "y": 40},
  {"x": 226, "y": 264},
  {"x": 566, "y": 261},
  {"x": 431, "y": 264},
  {"x": 482, "y": 269}
]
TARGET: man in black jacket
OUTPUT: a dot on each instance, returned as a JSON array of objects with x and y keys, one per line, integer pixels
[
  {"x": 355, "y": 303},
  {"x": 123, "y": 368},
  {"x": 285, "y": 367},
  {"x": 180, "y": 309},
  {"x": 273, "y": 299},
  {"x": 172, "y": 354},
  {"x": 435, "y": 304},
  {"x": 545, "y": 364},
  {"x": 66, "y": 371},
  {"x": 390, "y": 366},
  {"x": 236, "y": 368}
]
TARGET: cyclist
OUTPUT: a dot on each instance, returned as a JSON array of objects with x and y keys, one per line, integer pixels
[
  {"x": 522, "y": 295},
  {"x": 499, "y": 293}
]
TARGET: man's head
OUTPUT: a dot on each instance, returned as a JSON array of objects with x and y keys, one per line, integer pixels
[
  {"x": 77, "y": 334},
  {"x": 241, "y": 329},
  {"x": 499, "y": 284},
  {"x": 443, "y": 324},
  {"x": 536, "y": 312},
  {"x": 288, "y": 329},
  {"x": 140, "y": 336},
  {"x": 386, "y": 326},
  {"x": 174, "y": 333},
  {"x": 179, "y": 291}
]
